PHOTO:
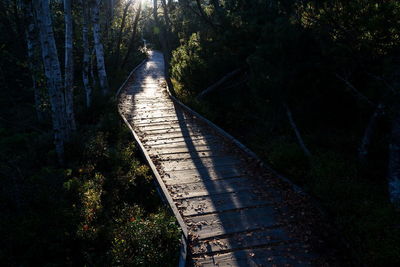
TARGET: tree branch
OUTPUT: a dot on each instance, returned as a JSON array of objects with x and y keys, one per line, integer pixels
[
  {"x": 297, "y": 132},
  {"x": 218, "y": 83},
  {"x": 355, "y": 92}
]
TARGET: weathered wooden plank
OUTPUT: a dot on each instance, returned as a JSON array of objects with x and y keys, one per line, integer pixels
[
  {"x": 202, "y": 175},
  {"x": 162, "y": 126},
  {"x": 166, "y": 125},
  {"x": 221, "y": 202},
  {"x": 170, "y": 130},
  {"x": 213, "y": 225},
  {"x": 198, "y": 163},
  {"x": 183, "y": 144},
  {"x": 203, "y": 140},
  {"x": 151, "y": 121},
  {"x": 154, "y": 113},
  {"x": 138, "y": 106},
  {"x": 243, "y": 240},
  {"x": 280, "y": 255},
  {"x": 192, "y": 154},
  {"x": 170, "y": 136},
  {"x": 144, "y": 119},
  {"x": 206, "y": 188},
  {"x": 181, "y": 126},
  {"x": 185, "y": 149},
  {"x": 158, "y": 121},
  {"x": 148, "y": 109}
]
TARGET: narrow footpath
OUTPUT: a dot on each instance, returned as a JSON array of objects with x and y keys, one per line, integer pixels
[{"x": 233, "y": 212}]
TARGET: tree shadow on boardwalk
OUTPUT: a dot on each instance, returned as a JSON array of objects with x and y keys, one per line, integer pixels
[{"x": 228, "y": 212}]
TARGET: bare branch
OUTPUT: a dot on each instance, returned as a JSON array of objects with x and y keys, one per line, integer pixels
[
  {"x": 356, "y": 92},
  {"x": 218, "y": 83}
]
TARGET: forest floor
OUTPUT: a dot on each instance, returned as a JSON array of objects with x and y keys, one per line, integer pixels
[{"x": 231, "y": 209}]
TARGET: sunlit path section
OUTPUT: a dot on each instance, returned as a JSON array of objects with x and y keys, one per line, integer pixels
[{"x": 232, "y": 210}]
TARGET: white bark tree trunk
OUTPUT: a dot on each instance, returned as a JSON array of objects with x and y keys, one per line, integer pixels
[
  {"x": 69, "y": 66},
  {"x": 101, "y": 69},
  {"x": 32, "y": 43},
  {"x": 86, "y": 53},
  {"x": 53, "y": 74}
]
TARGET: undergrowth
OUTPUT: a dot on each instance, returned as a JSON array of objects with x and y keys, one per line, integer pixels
[{"x": 101, "y": 209}]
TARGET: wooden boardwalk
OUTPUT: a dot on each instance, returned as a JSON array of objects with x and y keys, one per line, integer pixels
[{"x": 229, "y": 208}]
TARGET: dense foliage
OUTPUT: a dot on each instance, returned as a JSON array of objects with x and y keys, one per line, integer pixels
[
  {"x": 99, "y": 208},
  {"x": 311, "y": 86},
  {"x": 315, "y": 94}
]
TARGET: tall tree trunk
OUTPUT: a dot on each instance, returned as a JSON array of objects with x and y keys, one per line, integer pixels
[
  {"x": 32, "y": 43},
  {"x": 53, "y": 74},
  {"x": 69, "y": 66},
  {"x": 369, "y": 132},
  {"x": 121, "y": 30},
  {"x": 101, "y": 68},
  {"x": 164, "y": 44},
  {"x": 92, "y": 68},
  {"x": 86, "y": 53},
  {"x": 108, "y": 7},
  {"x": 297, "y": 132},
  {"x": 133, "y": 36},
  {"x": 166, "y": 14},
  {"x": 394, "y": 161}
]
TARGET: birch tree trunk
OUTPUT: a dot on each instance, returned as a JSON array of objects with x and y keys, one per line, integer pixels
[
  {"x": 32, "y": 43},
  {"x": 69, "y": 67},
  {"x": 101, "y": 68},
  {"x": 394, "y": 161},
  {"x": 53, "y": 74},
  {"x": 86, "y": 54}
]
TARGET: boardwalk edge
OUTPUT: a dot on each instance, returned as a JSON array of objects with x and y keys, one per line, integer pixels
[
  {"x": 242, "y": 147},
  {"x": 156, "y": 174}
]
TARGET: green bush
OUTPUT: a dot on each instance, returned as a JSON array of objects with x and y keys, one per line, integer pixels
[
  {"x": 188, "y": 65},
  {"x": 78, "y": 215},
  {"x": 287, "y": 156},
  {"x": 144, "y": 241}
]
